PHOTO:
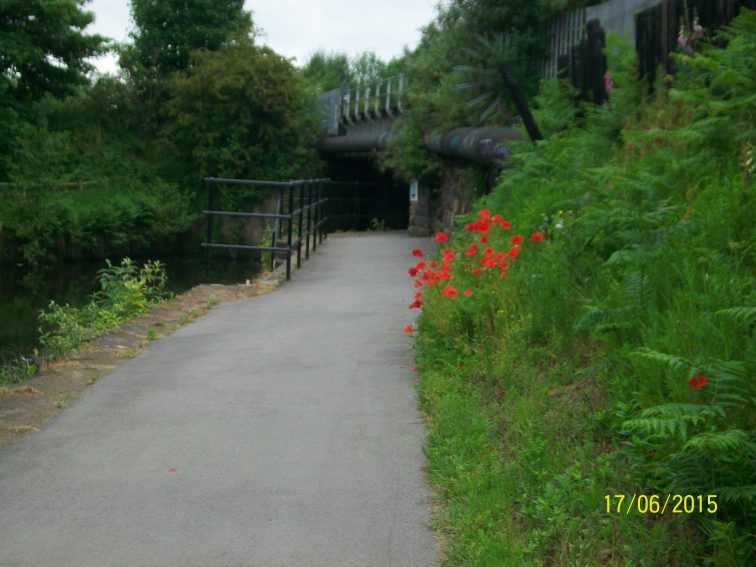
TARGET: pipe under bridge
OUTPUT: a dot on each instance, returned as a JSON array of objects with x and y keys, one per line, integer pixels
[{"x": 357, "y": 121}]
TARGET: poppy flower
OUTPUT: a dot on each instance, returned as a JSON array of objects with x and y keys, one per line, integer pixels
[
  {"x": 417, "y": 252},
  {"x": 476, "y": 271},
  {"x": 441, "y": 237},
  {"x": 471, "y": 250},
  {"x": 483, "y": 213},
  {"x": 420, "y": 265},
  {"x": 536, "y": 236},
  {"x": 418, "y": 283},
  {"x": 516, "y": 239},
  {"x": 408, "y": 329},
  {"x": 497, "y": 218},
  {"x": 506, "y": 225},
  {"x": 417, "y": 304},
  {"x": 412, "y": 271},
  {"x": 449, "y": 291},
  {"x": 697, "y": 382},
  {"x": 488, "y": 251},
  {"x": 488, "y": 262},
  {"x": 468, "y": 291},
  {"x": 483, "y": 239},
  {"x": 513, "y": 252}
]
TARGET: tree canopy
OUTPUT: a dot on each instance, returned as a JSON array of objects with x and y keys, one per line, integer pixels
[
  {"x": 168, "y": 30},
  {"x": 43, "y": 47}
]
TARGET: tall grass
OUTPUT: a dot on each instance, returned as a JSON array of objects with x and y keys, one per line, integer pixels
[{"x": 617, "y": 356}]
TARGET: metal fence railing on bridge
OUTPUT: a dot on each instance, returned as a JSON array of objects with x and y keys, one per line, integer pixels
[{"x": 308, "y": 218}]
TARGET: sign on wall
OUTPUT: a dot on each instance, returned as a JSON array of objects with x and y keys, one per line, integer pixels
[{"x": 414, "y": 191}]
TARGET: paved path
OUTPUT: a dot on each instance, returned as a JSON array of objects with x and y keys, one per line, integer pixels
[{"x": 289, "y": 419}]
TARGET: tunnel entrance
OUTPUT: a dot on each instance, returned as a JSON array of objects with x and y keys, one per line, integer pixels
[{"x": 362, "y": 198}]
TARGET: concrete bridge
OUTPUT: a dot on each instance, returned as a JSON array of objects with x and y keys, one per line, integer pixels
[{"x": 359, "y": 120}]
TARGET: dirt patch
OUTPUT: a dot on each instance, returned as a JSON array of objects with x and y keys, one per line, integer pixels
[{"x": 25, "y": 407}]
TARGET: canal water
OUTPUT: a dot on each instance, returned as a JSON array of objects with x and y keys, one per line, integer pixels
[{"x": 24, "y": 293}]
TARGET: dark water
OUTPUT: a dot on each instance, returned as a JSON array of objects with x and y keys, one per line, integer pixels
[{"x": 24, "y": 293}]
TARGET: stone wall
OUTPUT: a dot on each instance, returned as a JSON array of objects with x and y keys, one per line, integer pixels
[{"x": 435, "y": 209}]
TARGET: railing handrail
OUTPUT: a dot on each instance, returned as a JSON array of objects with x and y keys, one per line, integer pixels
[{"x": 310, "y": 201}]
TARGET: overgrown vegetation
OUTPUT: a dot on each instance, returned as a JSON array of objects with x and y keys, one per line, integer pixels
[
  {"x": 127, "y": 290},
  {"x": 616, "y": 357},
  {"x": 96, "y": 167}
]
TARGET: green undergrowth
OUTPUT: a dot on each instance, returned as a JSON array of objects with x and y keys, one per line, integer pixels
[
  {"x": 617, "y": 354},
  {"x": 126, "y": 291}
]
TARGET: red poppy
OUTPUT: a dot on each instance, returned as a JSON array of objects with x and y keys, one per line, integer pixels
[
  {"x": 417, "y": 252},
  {"x": 513, "y": 252},
  {"x": 408, "y": 329},
  {"x": 536, "y": 236},
  {"x": 516, "y": 239},
  {"x": 488, "y": 262},
  {"x": 488, "y": 251},
  {"x": 441, "y": 237},
  {"x": 697, "y": 382},
  {"x": 476, "y": 271},
  {"x": 468, "y": 291},
  {"x": 506, "y": 225},
  {"x": 449, "y": 291},
  {"x": 418, "y": 283},
  {"x": 417, "y": 304},
  {"x": 471, "y": 250},
  {"x": 483, "y": 213},
  {"x": 412, "y": 271},
  {"x": 467, "y": 266},
  {"x": 497, "y": 218},
  {"x": 483, "y": 239},
  {"x": 420, "y": 265}
]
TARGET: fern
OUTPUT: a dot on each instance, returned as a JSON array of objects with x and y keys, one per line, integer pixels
[
  {"x": 672, "y": 362},
  {"x": 744, "y": 315},
  {"x": 719, "y": 441},
  {"x": 672, "y": 420}
]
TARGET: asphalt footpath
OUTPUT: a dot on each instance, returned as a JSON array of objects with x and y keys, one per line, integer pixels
[{"x": 279, "y": 430}]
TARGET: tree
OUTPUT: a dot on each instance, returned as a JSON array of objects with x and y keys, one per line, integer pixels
[
  {"x": 168, "y": 30},
  {"x": 367, "y": 68},
  {"x": 240, "y": 111},
  {"x": 327, "y": 71},
  {"x": 43, "y": 47}
]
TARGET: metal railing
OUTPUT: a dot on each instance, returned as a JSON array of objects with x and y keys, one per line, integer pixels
[
  {"x": 383, "y": 99},
  {"x": 309, "y": 217}
]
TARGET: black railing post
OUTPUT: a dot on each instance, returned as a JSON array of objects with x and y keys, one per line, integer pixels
[
  {"x": 321, "y": 216},
  {"x": 209, "y": 230},
  {"x": 289, "y": 230},
  {"x": 276, "y": 230},
  {"x": 309, "y": 220},
  {"x": 300, "y": 223}
]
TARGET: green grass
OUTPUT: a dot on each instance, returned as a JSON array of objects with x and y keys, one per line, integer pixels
[{"x": 568, "y": 380}]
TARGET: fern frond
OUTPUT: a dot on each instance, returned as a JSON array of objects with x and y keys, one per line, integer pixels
[
  {"x": 671, "y": 420},
  {"x": 719, "y": 441},
  {"x": 736, "y": 494},
  {"x": 636, "y": 286},
  {"x": 744, "y": 314},
  {"x": 672, "y": 362}
]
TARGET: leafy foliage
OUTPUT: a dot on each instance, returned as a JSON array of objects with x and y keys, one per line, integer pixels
[
  {"x": 619, "y": 358},
  {"x": 126, "y": 291},
  {"x": 240, "y": 112},
  {"x": 44, "y": 48}
]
